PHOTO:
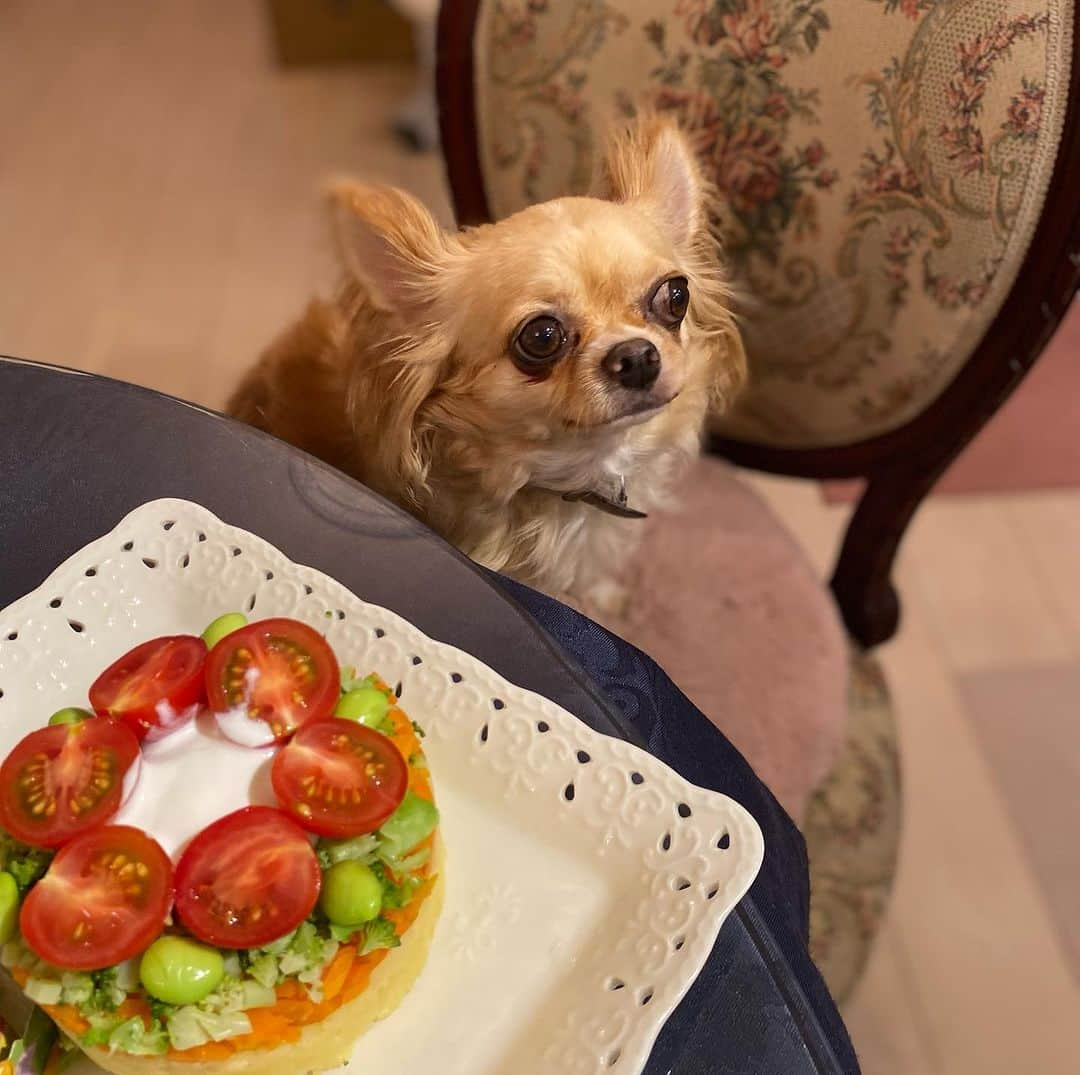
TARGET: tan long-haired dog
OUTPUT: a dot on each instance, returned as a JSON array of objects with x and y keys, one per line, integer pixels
[{"x": 525, "y": 386}]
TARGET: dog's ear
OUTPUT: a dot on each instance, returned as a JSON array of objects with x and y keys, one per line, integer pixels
[
  {"x": 389, "y": 241},
  {"x": 653, "y": 165},
  {"x": 389, "y": 398},
  {"x": 391, "y": 244}
]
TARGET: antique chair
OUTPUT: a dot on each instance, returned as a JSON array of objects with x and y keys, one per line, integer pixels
[{"x": 900, "y": 206}]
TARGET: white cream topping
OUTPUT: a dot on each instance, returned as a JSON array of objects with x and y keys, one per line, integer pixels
[
  {"x": 169, "y": 720},
  {"x": 235, "y": 724},
  {"x": 193, "y": 776},
  {"x": 131, "y": 779}
]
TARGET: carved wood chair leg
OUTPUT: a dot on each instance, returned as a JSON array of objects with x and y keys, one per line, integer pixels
[{"x": 862, "y": 581}]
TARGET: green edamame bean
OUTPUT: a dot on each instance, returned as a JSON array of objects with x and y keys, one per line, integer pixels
[
  {"x": 179, "y": 971},
  {"x": 414, "y": 820},
  {"x": 351, "y": 894},
  {"x": 366, "y": 705},
  {"x": 9, "y": 906},
  {"x": 70, "y": 715},
  {"x": 222, "y": 626}
]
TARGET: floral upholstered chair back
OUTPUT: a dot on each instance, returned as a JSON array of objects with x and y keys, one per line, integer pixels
[{"x": 881, "y": 166}]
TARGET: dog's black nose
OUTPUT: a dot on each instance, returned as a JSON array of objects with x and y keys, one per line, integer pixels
[{"x": 633, "y": 363}]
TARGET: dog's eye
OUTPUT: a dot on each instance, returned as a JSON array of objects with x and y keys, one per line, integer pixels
[
  {"x": 540, "y": 341},
  {"x": 670, "y": 301}
]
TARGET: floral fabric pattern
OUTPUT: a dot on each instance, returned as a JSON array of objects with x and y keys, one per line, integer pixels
[
  {"x": 967, "y": 87},
  {"x": 740, "y": 108},
  {"x": 880, "y": 166}
]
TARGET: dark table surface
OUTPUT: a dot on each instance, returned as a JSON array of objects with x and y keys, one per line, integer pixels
[{"x": 77, "y": 452}]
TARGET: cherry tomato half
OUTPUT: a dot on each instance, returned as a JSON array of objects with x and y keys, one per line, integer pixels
[
  {"x": 265, "y": 680},
  {"x": 103, "y": 900},
  {"x": 154, "y": 687},
  {"x": 247, "y": 879},
  {"x": 61, "y": 780},
  {"x": 339, "y": 778}
]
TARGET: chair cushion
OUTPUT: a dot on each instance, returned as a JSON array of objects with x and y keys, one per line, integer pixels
[
  {"x": 726, "y": 602},
  {"x": 881, "y": 166}
]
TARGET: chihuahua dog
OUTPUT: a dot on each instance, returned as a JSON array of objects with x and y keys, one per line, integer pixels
[{"x": 527, "y": 388}]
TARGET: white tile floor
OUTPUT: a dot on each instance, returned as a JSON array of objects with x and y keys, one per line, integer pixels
[{"x": 160, "y": 223}]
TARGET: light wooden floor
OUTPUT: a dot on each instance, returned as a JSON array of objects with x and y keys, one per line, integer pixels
[
  {"x": 970, "y": 976},
  {"x": 159, "y": 223},
  {"x": 159, "y": 211}
]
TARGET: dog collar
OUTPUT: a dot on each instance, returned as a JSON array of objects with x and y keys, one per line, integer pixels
[{"x": 609, "y": 496}]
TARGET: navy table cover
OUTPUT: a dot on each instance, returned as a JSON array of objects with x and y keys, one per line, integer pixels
[{"x": 77, "y": 452}]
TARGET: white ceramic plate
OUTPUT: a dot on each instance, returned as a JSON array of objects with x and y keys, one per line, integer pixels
[{"x": 586, "y": 881}]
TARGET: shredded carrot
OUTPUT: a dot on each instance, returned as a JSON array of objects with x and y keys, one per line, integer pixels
[
  {"x": 294, "y": 1011},
  {"x": 404, "y": 917},
  {"x": 134, "y": 1006},
  {"x": 360, "y": 975},
  {"x": 419, "y": 782},
  {"x": 335, "y": 975},
  {"x": 267, "y": 1029},
  {"x": 290, "y": 990},
  {"x": 69, "y": 1019}
]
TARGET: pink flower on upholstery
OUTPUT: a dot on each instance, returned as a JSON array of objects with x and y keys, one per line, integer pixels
[
  {"x": 748, "y": 167},
  {"x": 898, "y": 251},
  {"x": 568, "y": 102},
  {"x": 697, "y": 112},
  {"x": 814, "y": 153},
  {"x": 751, "y": 34},
  {"x": 826, "y": 178},
  {"x": 1025, "y": 111},
  {"x": 948, "y": 292},
  {"x": 885, "y": 174},
  {"x": 690, "y": 8},
  {"x": 776, "y": 106},
  {"x": 692, "y": 12},
  {"x": 965, "y": 146},
  {"x": 898, "y": 248},
  {"x": 519, "y": 28},
  {"x": 912, "y": 9},
  {"x": 951, "y": 293},
  {"x": 534, "y": 161},
  {"x": 900, "y": 392}
]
